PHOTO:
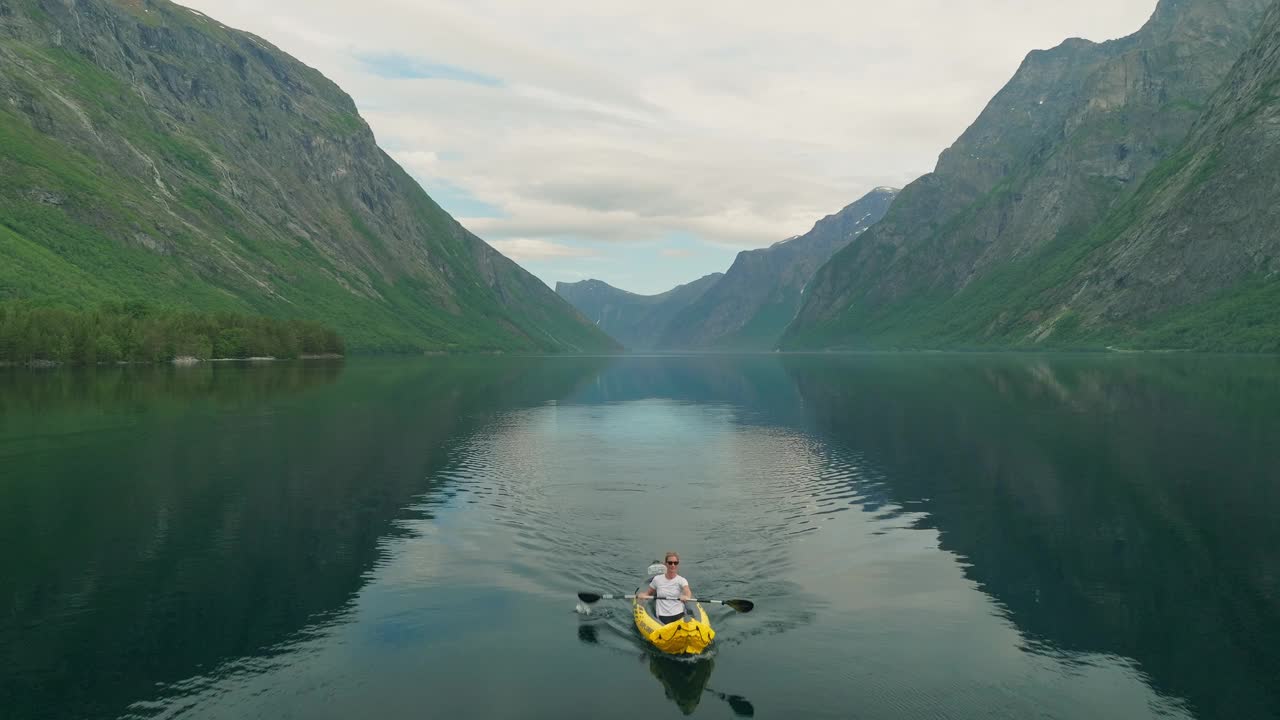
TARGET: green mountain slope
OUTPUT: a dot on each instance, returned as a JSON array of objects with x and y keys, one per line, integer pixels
[
  {"x": 636, "y": 321},
  {"x": 965, "y": 253},
  {"x": 1193, "y": 261},
  {"x": 149, "y": 153},
  {"x": 749, "y": 308}
]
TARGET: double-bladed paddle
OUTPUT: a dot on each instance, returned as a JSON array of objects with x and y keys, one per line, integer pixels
[{"x": 742, "y": 606}]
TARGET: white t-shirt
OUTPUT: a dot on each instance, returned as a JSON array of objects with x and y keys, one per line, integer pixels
[{"x": 668, "y": 593}]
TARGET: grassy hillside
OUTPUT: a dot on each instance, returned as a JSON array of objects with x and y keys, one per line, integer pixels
[{"x": 148, "y": 153}]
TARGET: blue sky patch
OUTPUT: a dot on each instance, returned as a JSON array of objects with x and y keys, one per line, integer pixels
[
  {"x": 460, "y": 203},
  {"x": 395, "y": 66},
  {"x": 647, "y": 268}
]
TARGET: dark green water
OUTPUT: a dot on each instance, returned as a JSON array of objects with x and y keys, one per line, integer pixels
[{"x": 924, "y": 536}]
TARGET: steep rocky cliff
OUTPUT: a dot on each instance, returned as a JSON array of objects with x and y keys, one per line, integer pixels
[
  {"x": 750, "y": 307},
  {"x": 1193, "y": 261},
  {"x": 148, "y": 152},
  {"x": 1068, "y": 140},
  {"x": 636, "y": 321}
]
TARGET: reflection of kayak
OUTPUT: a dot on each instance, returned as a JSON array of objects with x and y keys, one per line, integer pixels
[
  {"x": 683, "y": 681},
  {"x": 688, "y": 636}
]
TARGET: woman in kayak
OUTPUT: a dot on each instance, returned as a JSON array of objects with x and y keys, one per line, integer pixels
[{"x": 671, "y": 590}]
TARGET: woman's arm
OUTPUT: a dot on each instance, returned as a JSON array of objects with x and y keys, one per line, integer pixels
[{"x": 647, "y": 592}]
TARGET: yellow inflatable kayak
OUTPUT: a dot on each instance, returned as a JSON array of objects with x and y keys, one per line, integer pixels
[{"x": 687, "y": 636}]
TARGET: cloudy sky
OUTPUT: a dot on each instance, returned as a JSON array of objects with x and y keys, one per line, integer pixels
[{"x": 646, "y": 143}]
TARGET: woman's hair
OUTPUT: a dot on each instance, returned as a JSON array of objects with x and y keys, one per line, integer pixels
[{"x": 669, "y": 555}]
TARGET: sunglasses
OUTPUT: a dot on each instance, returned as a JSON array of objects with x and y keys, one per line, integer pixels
[{"x": 673, "y": 562}]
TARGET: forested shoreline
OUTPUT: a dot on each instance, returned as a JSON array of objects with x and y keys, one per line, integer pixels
[{"x": 134, "y": 332}]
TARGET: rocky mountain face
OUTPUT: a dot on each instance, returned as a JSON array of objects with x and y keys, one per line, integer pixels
[
  {"x": 638, "y": 322},
  {"x": 1193, "y": 260},
  {"x": 148, "y": 152},
  {"x": 977, "y": 253},
  {"x": 749, "y": 308}
]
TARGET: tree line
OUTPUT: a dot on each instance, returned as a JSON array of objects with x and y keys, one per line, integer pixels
[{"x": 135, "y": 332}]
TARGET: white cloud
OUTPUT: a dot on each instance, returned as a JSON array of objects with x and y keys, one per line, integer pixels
[
  {"x": 524, "y": 249},
  {"x": 422, "y": 163},
  {"x": 615, "y": 122}
]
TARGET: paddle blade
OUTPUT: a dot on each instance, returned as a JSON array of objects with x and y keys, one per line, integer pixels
[
  {"x": 742, "y": 606},
  {"x": 587, "y": 597},
  {"x": 741, "y": 706}
]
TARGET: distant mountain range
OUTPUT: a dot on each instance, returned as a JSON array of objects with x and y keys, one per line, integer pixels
[
  {"x": 1107, "y": 196},
  {"x": 149, "y": 153},
  {"x": 638, "y": 322},
  {"x": 746, "y": 308},
  {"x": 749, "y": 307}
]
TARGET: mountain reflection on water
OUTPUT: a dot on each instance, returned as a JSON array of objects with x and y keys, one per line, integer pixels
[
  {"x": 1123, "y": 506},
  {"x": 1120, "y": 507},
  {"x": 970, "y": 536},
  {"x": 214, "y": 512}
]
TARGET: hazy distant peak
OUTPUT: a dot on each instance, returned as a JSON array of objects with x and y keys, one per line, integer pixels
[{"x": 634, "y": 320}]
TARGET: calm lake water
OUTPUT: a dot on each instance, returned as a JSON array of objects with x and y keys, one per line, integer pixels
[{"x": 938, "y": 536}]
